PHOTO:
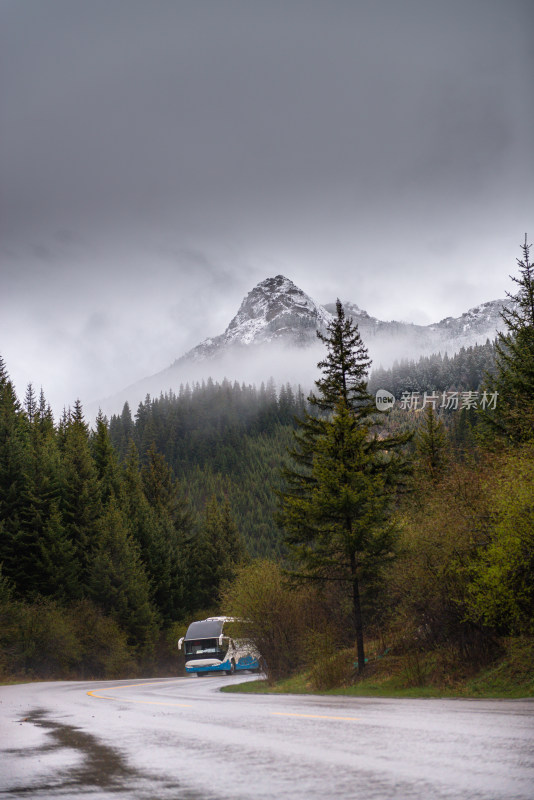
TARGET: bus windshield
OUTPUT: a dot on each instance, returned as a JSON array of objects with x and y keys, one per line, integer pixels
[{"x": 195, "y": 647}]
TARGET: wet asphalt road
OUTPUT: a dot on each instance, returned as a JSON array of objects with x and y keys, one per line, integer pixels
[{"x": 182, "y": 738}]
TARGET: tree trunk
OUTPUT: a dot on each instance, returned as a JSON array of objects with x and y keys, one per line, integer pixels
[{"x": 357, "y": 616}]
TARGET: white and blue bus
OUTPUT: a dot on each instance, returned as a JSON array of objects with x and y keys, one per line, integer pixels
[{"x": 208, "y": 648}]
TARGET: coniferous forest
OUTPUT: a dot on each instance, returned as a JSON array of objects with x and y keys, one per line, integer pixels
[
  {"x": 100, "y": 548},
  {"x": 411, "y": 529},
  {"x": 221, "y": 440}
]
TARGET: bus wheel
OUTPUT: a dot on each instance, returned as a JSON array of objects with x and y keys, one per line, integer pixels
[
  {"x": 232, "y": 668},
  {"x": 200, "y": 674}
]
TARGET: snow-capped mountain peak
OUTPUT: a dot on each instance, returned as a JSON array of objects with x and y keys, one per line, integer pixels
[
  {"x": 484, "y": 317},
  {"x": 274, "y": 333},
  {"x": 275, "y": 309}
]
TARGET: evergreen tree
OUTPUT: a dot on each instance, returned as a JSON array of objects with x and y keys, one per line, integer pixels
[
  {"x": 463, "y": 431},
  {"x": 161, "y": 488},
  {"x": 127, "y": 422},
  {"x": 145, "y": 428},
  {"x": 47, "y": 557},
  {"x": 15, "y": 481},
  {"x": 107, "y": 467},
  {"x": 117, "y": 581},
  {"x": 127, "y": 430},
  {"x": 215, "y": 553},
  {"x": 169, "y": 544},
  {"x": 344, "y": 369},
  {"x": 121, "y": 431},
  {"x": 431, "y": 445},
  {"x": 160, "y": 547},
  {"x": 337, "y": 500},
  {"x": 46, "y": 418},
  {"x": 513, "y": 415},
  {"x": 81, "y": 500},
  {"x": 30, "y": 403},
  {"x": 34, "y": 546},
  {"x": 56, "y": 566},
  {"x": 234, "y": 546}
]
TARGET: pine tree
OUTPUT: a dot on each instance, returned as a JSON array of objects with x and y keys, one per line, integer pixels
[
  {"x": 117, "y": 581},
  {"x": 15, "y": 481},
  {"x": 46, "y": 418},
  {"x": 127, "y": 430},
  {"x": 157, "y": 540},
  {"x": 215, "y": 553},
  {"x": 30, "y": 403},
  {"x": 344, "y": 369},
  {"x": 38, "y": 556},
  {"x": 337, "y": 500},
  {"x": 513, "y": 415},
  {"x": 234, "y": 546},
  {"x": 46, "y": 556},
  {"x": 431, "y": 445},
  {"x": 81, "y": 504},
  {"x": 107, "y": 467},
  {"x": 161, "y": 488},
  {"x": 168, "y": 552},
  {"x": 56, "y": 566}
]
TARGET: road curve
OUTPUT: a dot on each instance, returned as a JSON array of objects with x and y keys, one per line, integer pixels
[{"x": 181, "y": 738}]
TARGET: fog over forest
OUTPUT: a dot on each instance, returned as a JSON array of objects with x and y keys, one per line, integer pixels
[{"x": 159, "y": 159}]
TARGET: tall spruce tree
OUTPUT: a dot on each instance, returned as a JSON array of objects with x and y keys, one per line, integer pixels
[
  {"x": 45, "y": 551},
  {"x": 117, "y": 579},
  {"x": 156, "y": 537},
  {"x": 215, "y": 553},
  {"x": 56, "y": 566},
  {"x": 81, "y": 504},
  {"x": 431, "y": 446},
  {"x": 169, "y": 545},
  {"x": 105, "y": 459},
  {"x": 15, "y": 481},
  {"x": 512, "y": 416},
  {"x": 46, "y": 418},
  {"x": 30, "y": 403},
  {"x": 339, "y": 491}
]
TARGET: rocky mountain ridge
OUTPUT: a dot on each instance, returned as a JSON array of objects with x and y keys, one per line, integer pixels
[
  {"x": 277, "y": 310},
  {"x": 274, "y": 334}
]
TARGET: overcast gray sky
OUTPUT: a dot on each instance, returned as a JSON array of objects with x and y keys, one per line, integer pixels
[{"x": 159, "y": 158}]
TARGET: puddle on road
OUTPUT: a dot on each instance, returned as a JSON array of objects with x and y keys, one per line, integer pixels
[{"x": 100, "y": 770}]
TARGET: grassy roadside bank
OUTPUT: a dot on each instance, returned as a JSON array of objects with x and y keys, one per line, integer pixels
[{"x": 424, "y": 675}]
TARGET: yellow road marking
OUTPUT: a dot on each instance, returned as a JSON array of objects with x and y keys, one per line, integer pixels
[
  {"x": 135, "y": 685},
  {"x": 92, "y": 693},
  {"x": 313, "y": 716}
]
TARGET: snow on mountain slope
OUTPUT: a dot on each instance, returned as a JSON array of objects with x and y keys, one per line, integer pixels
[
  {"x": 387, "y": 340},
  {"x": 478, "y": 320},
  {"x": 274, "y": 334},
  {"x": 275, "y": 309}
]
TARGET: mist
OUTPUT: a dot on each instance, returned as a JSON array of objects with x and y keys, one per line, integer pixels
[{"x": 159, "y": 159}]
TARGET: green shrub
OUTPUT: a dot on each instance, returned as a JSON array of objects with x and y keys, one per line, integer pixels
[
  {"x": 103, "y": 648},
  {"x": 275, "y": 616},
  {"x": 501, "y": 590},
  {"x": 333, "y": 670},
  {"x": 38, "y": 640},
  {"x": 46, "y": 640}
]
